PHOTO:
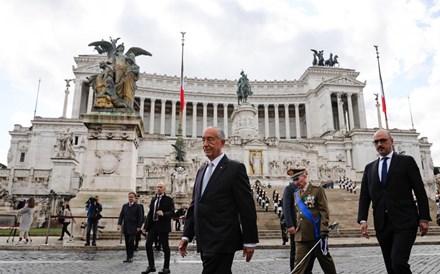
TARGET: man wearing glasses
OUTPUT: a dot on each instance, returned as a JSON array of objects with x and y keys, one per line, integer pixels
[{"x": 389, "y": 183}]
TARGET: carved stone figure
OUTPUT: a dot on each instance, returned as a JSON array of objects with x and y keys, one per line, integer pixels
[
  {"x": 115, "y": 85},
  {"x": 256, "y": 162},
  {"x": 179, "y": 180},
  {"x": 243, "y": 88},
  {"x": 64, "y": 147}
]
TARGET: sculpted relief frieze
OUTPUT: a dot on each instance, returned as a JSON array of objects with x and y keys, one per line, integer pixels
[{"x": 156, "y": 169}]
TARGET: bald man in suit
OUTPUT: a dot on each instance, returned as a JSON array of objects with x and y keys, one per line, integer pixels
[
  {"x": 222, "y": 214},
  {"x": 388, "y": 183}
]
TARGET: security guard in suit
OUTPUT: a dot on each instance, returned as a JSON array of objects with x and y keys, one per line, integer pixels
[{"x": 312, "y": 225}]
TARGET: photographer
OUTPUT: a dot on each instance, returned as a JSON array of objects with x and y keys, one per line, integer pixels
[{"x": 94, "y": 209}]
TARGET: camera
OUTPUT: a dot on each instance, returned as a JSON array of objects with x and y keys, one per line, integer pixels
[{"x": 91, "y": 200}]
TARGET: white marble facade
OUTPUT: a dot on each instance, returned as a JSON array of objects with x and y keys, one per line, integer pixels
[{"x": 318, "y": 121}]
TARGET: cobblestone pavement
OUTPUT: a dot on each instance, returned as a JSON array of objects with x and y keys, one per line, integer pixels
[{"x": 424, "y": 259}]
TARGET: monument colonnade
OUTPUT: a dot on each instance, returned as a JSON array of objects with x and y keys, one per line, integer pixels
[{"x": 289, "y": 120}]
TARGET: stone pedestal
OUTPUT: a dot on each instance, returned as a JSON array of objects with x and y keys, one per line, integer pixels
[
  {"x": 110, "y": 163},
  {"x": 245, "y": 122},
  {"x": 62, "y": 174}
]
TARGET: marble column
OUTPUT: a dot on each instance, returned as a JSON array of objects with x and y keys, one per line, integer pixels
[
  {"x": 152, "y": 116},
  {"x": 141, "y": 108},
  {"x": 194, "y": 127},
  {"x": 90, "y": 101},
  {"x": 348, "y": 155},
  {"x": 162, "y": 116},
  {"x": 205, "y": 115},
  {"x": 173, "y": 118},
  {"x": 308, "y": 121},
  {"x": 297, "y": 124},
  {"x": 350, "y": 111},
  {"x": 277, "y": 121},
  {"x": 286, "y": 115},
  {"x": 258, "y": 122},
  {"x": 225, "y": 119},
  {"x": 329, "y": 113},
  {"x": 215, "y": 114},
  {"x": 361, "y": 110},
  {"x": 340, "y": 112},
  {"x": 266, "y": 120}
]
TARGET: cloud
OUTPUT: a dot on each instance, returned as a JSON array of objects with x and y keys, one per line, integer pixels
[{"x": 269, "y": 39}]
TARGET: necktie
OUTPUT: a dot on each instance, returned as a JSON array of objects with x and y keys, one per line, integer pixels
[
  {"x": 208, "y": 174},
  {"x": 156, "y": 206},
  {"x": 384, "y": 170}
]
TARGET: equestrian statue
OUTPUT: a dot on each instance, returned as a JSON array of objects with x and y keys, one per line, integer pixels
[{"x": 243, "y": 88}]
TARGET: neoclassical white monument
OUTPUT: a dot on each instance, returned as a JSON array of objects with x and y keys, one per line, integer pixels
[{"x": 318, "y": 121}]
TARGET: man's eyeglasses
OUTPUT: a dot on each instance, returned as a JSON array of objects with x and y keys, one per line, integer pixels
[{"x": 383, "y": 140}]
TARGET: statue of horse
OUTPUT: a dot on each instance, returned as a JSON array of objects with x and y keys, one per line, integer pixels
[
  {"x": 243, "y": 92},
  {"x": 332, "y": 61}
]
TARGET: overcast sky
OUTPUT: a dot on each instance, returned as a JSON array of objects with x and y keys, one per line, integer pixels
[{"x": 270, "y": 40}]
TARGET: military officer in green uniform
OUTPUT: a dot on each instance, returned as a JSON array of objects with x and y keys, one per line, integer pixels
[{"x": 312, "y": 225}]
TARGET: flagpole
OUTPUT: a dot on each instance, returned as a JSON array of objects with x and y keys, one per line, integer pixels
[
  {"x": 384, "y": 108},
  {"x": 180, "y": 146},
  {"x": 182, "y": 96},
  {"x": 410, "y": 113},
  {"x": 36, "y": 100}
]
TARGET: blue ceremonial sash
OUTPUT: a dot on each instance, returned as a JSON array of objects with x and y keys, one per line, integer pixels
[{"x": 306, "y": 212}]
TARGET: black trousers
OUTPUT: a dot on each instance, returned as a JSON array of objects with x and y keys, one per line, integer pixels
[
  {"x": 154, "y": 233},
  {"x": 137, "y": 239},
  {"x": 217, "y": 263},
  {"x": 64, "y": 230},
  {"x": 129, "y": 244},
  {"x": 396, "y": 245}
]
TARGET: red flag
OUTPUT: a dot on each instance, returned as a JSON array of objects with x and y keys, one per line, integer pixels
[
  {"x": 384, "y": 106},
  {"x": 182, "y": 97}
]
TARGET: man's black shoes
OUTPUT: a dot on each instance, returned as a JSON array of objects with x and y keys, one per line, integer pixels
[
  {"x": 165, "y": 271},
  {"x": 128, "y": 260},
  {"x": 149, "y": 270}
]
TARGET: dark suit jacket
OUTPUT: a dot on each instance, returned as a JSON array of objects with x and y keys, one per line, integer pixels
[
  {"x": 396, "y": 196},
  {"x": 131, "y": 217},
  {"x": 163, "y": 224},
  {"x": 224, "y": 217},
  {"x": 289, "y": 205}
]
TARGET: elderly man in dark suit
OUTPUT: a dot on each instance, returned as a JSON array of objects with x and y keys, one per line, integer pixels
[
  {"x": 131, "y": 219},
  {"x": 222, "y": 214},
  {"x": 389, "y": 183},
  {"x": 158, "y": 225}
]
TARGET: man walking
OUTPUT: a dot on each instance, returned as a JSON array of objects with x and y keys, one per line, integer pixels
[
  {"x": 222, "y": 214},
  {"x": 131, "y": 220},
  {"x": 389, "y": 183},
  {"x": 290, "y": 216},
  {"x": 158, "y": 225},
  {"x": 312, "y": 218}
]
